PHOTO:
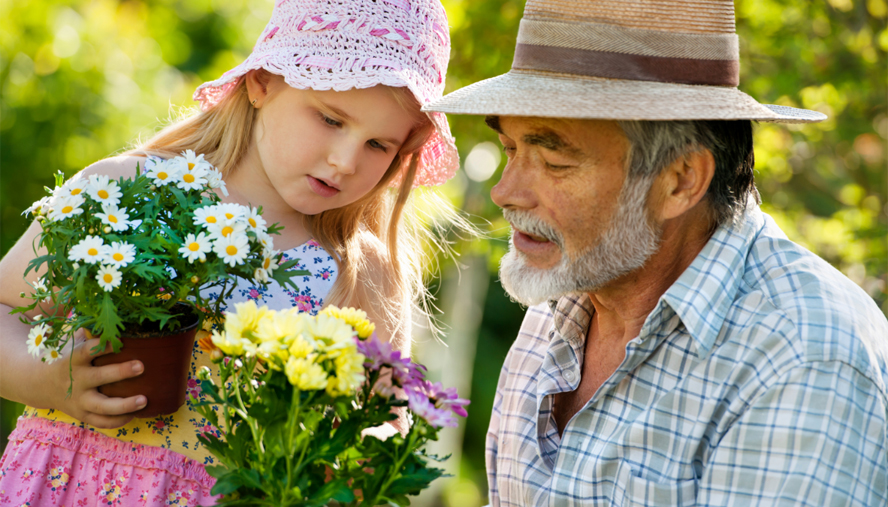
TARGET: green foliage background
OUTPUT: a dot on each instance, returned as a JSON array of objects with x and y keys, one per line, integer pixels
[{"x": 83, "y": 79}]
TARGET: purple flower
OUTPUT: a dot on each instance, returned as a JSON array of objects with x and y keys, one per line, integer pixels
[
  {"x": 380, "y": 354},
  {"x": 434, "y": 403}
]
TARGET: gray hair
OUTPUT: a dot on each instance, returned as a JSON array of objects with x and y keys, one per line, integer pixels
[{"x": 656, "y": 144}]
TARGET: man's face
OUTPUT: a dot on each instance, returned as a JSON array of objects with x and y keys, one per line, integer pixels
[{"x": 561, "y": 191}]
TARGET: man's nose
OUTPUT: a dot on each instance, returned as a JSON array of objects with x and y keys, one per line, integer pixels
[{"x": 515, "y": 187}]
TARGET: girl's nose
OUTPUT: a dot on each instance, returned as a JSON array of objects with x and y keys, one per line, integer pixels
[{"x": 344, "y": 157}]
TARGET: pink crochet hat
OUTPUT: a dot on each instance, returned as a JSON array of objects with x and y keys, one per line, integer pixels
[{"x": 345, "y": 44}]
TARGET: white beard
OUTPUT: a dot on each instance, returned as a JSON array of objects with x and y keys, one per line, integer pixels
[{"x": 626, "y": 245}]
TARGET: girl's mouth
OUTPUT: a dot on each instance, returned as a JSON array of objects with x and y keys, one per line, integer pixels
[{"x": 321, "y": 187}]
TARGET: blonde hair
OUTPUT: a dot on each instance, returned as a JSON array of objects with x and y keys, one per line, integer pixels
[{"x": 223, "y": 135}]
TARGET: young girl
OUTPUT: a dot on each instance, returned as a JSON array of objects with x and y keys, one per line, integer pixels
[{"x": 321, "y": 126}]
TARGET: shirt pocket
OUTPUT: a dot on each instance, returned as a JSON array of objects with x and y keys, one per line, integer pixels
[{"x": 631, "y": 490}]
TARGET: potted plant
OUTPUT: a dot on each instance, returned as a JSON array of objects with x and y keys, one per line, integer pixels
[
  {"x": 293, "y": 400},
  {"x": 129, "y": 261}
]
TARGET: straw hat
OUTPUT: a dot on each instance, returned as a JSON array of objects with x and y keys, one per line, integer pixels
[{"x": 622, "y": 60}]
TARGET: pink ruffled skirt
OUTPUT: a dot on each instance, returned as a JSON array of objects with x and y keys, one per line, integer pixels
[{"x": 48, "y": 464}]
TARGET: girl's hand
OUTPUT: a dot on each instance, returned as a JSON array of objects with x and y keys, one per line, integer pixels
[{"x": 86, "y": 403}]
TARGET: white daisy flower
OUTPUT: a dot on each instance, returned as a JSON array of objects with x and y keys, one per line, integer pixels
[
  {"x": 103, "y": 189},
  {"x": 227, "y": 229},
  {"x": 119, "y": 254},
  {"x": 38, "y": 208},
  {"x": 163, "y": 173},
  {"x": 75, "y": 186},
  {"x": 232, "y": 249},
  {"x": 193, "y": 162},
  {"x": 214, "y": 180},
  {"x": 66, "y": 207},
  {"x": 196, "y": 247},
  {"x": 116, "y": 217},
  {"x": 266, "y": 241},
  {"x": 195, "y": 179},
  {"x": 269, "y": 263},
  {"x": 40, "y": 287},
  {"x": 207, "y": 216},
  {"x": 37, "y": 339},
  {"x": 231, "y": 211},
  {"x": 90, "y": 250},
  {"x": 255, "y": 220},
  {"x": 52, "y": 355},
  {"x": 260, "y": 275},
  {"x": 109, "y": 277}
]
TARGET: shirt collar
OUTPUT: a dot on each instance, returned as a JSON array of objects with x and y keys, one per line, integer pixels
[
  {"x": 704, "y": 293},
  {"x": 701, "y": 297}
]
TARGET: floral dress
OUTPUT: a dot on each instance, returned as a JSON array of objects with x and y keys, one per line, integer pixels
[{"x": 54, "y": 459}]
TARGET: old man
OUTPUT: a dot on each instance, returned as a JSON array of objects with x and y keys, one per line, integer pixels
[{"x": 678, "y": 349}]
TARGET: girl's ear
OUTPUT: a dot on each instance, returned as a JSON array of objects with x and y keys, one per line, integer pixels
[{"x": 257, "y": 86}]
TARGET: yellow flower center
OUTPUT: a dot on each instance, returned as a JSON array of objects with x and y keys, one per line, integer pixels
[
  {"x": 162, "y": 175},
  {"x": 117, "y": 256},
  {"x": 266, "y": 263},
  {"x": 92, "y": 252},
  {"x": 38, "y": 340},
  {"x": 76, "y": 191},
  {"x": 54, "y": 353},
  {"x": 112, "y": 219},
  {"x": 229, "y": 215},
  {"x": 227, "y": 230},
  {"x": 103, "y": 193},
  {"x": 194, "y": 246},
  {"x": 108, "y": 278},
  {"x": 231, "y": 250},
  {"x": 67, "y": 209},
  {"x": 252, "y": 222},
  {"x": 211, "y": 220},
  {"x": 190, "y": 166},
  {"x": 189, "y": 178}
]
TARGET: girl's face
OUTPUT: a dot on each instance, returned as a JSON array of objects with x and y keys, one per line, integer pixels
[{"x": 321, "y": 150}]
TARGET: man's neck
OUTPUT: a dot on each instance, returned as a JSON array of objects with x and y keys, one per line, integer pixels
[{"x": 622, "y": 307}]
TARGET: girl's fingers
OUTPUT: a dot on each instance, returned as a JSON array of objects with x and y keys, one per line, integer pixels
[
  {"x": 101, "y": 406},
  {"x": 106, "y": 422},
  {"x": 101, "y": 375}
]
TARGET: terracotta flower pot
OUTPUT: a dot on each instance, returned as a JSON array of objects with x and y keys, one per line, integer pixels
[{"x": 165, "y": 379}]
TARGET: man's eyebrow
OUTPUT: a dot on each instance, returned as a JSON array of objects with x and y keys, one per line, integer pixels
[{"x": 552, "y": 141}]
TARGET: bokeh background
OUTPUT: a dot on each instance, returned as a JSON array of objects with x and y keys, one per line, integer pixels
[{"x": 84, "y": 79}]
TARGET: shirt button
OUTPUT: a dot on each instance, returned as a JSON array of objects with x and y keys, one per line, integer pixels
[{"x": 569, "y": 375}]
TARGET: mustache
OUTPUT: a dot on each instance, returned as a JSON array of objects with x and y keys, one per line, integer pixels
[{"x": 530, "y": 224}]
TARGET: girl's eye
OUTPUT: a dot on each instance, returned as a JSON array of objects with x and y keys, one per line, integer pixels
[
  {"x": 330, "y": 121},
  {"x": 377, "y": 145}
]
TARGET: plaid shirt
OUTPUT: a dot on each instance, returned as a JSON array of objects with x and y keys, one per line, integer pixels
[{"x": 758, "y": 379}]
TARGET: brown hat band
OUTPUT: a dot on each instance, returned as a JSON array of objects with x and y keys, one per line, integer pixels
[{"x": 627, "y": 53}]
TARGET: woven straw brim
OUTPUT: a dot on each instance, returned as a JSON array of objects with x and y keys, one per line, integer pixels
[{"x": 552, "y": 95}]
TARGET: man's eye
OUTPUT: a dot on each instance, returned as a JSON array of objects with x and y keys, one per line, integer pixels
[{"x": 509, "y": 150}]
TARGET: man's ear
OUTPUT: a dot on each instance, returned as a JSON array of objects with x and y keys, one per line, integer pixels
[
  {"x": 683, "y": 184},
  {"x": 257, "y": 86}
]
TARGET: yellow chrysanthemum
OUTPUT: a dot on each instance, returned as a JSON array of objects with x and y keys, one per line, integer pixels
[
  {"x": 349, "y": 373},
  {"x": 305, "y": 374},
  {"x": 244, "y": 321},
  {"x": 229, "y": 346},
  {"x": 282, "y": 326},
  {"x": 300, "y": 347},
  {"x": 330, "y": 333},
  {"x": 353, "y": 317}
]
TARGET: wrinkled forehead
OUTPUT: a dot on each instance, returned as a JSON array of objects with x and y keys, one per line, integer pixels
[{"x": 581, "y": 136}]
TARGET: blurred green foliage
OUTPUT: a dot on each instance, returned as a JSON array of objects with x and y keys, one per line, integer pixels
[{"x": 83, "y": 79}]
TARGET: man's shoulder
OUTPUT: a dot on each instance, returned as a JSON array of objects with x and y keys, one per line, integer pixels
[{"x": 829, "y": 317}]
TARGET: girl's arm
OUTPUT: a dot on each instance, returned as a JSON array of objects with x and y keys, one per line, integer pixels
[{"x": 26, "y": 379}]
